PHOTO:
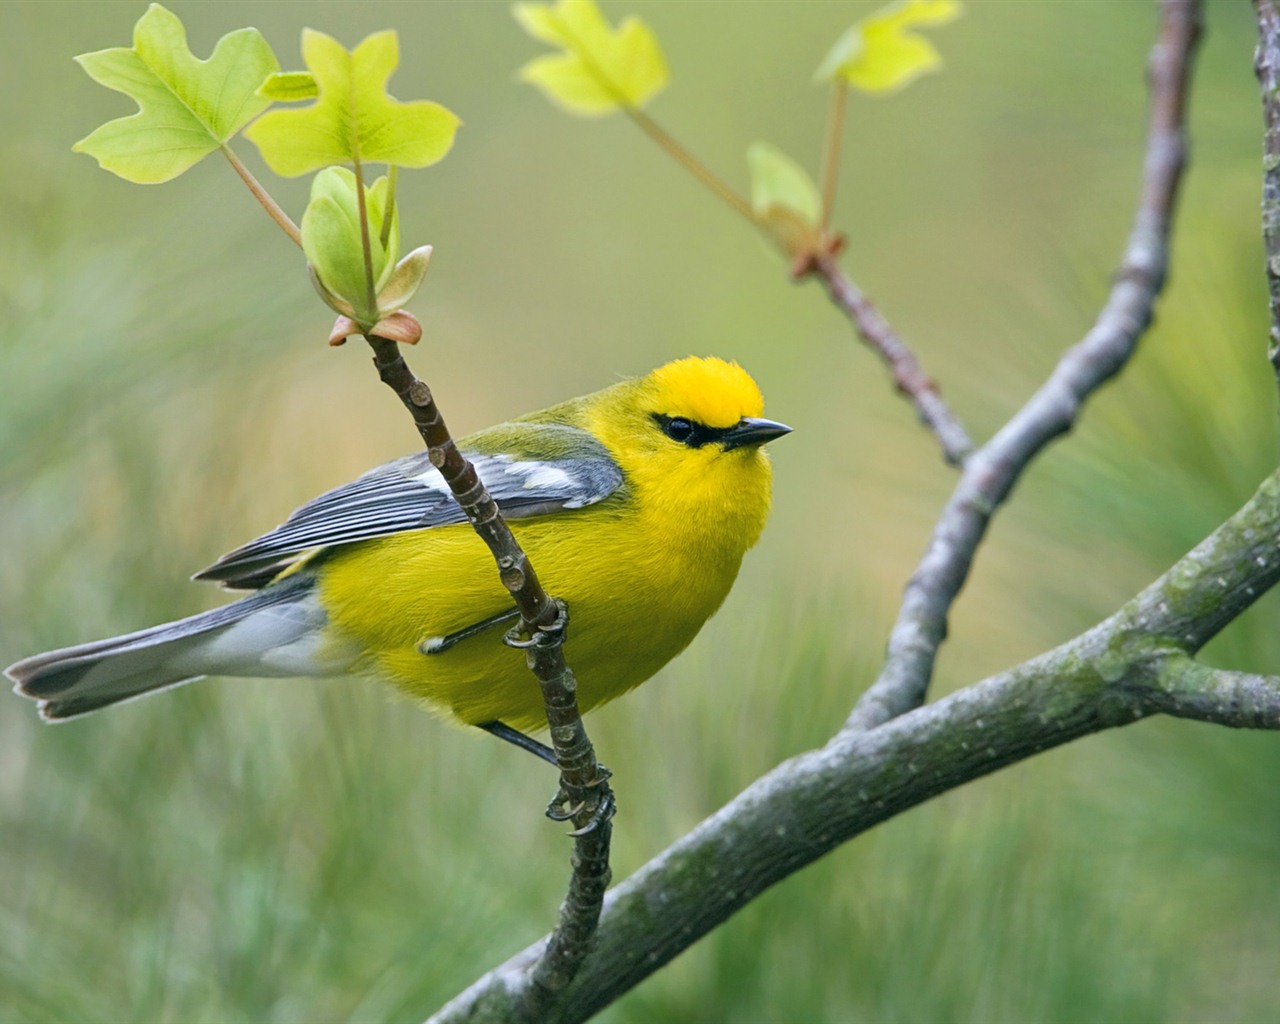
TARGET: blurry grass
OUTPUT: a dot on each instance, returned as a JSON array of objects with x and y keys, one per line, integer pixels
[{"x": 286, "y": 851}]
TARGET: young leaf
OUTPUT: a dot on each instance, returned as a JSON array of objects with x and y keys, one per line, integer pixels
[
  {"x": 880, "y": 55},
  {"x": 777, "y": 180},
  {"x": 354, "y": 118},
  {"x": 331, "y": 239},
  {"x": 600, "y": 69},
  {"x": 187, "y": 107},
  {"x": 290, "y": 87},
  {"x": 404, "y": 282},
  {"x": 785, "y": 200}
]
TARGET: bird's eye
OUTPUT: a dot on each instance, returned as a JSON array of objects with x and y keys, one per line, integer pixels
[
  {"x": 687, "y": 432},
  {"x": 678, "y": 429}
]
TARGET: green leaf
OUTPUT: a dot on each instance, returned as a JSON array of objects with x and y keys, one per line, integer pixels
[
  {"x": 880, "y": 55},
  {"x": 187, "y": 107},
  {"x": 600, "y": 69},
  {"x": 785, "y": 200},
  {"x": 777, "y": 180},
  {"x": 354, "y": 118},
  {"x": 332, "y": 241},
  {"x": 290, "y": 87}
]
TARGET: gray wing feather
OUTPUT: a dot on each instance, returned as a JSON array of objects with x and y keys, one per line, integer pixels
[{"x": 410, "y": 494}]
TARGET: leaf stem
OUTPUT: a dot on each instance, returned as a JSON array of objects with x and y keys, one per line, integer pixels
[
  {"x": 831, "y": 149},
  {"x": 259, "y": 193},
  {"x": 656, "y": 132},
  {"x": 393, "y": 172},
  {"x": 690, "y": 162},
  {"x": 371, "y": 300}
]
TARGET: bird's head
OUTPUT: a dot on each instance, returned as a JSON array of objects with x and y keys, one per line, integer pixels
[{"x": 689, "y": 436}]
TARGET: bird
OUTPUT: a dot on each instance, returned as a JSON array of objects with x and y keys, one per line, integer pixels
[{"x": 635, "y": 504}]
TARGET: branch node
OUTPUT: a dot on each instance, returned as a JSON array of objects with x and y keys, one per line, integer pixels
[{"x": 419, "y": 394}]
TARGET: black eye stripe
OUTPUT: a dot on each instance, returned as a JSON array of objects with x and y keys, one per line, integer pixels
[{"x": 688, "y": 432}]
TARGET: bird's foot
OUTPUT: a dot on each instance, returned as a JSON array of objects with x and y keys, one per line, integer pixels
[{"x": 595, "y": 801}]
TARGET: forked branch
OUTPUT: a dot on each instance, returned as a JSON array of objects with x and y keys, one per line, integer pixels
[{"x": 991, "y": 472}]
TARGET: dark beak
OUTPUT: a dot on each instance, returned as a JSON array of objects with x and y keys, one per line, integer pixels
[{"x": 751, "y": 432}]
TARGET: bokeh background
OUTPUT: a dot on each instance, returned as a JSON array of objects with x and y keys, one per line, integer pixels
[{"x": 279, "y": 851}]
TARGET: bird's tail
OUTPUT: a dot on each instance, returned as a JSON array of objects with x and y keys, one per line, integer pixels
[{"x": 273, "y": 632}]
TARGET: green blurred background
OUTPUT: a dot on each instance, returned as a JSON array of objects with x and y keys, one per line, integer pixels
[{"x": 286, "y": 851}]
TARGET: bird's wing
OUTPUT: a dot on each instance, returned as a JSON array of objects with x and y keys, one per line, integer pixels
[{"x": 553, "y": 467}]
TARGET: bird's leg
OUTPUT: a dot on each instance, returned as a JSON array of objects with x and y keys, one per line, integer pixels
[
  {"x": 559, "y": 809},
  {"x": 519, "y": 739},
  {"x": 570, "y": 800},
  {"x": 440, "y": 644}
]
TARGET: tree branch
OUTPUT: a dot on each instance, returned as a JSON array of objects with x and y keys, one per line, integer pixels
[
  {"x": 991, "y": 472},
  {"x": 584, "y": 786},
  {"x": 1240, "y": 700},
  {"x": 1267, "y": 67},
  {"x": 1135, "y": 664}
]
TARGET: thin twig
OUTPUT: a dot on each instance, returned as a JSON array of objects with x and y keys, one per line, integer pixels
[
  {"x": 831, "y": 148},
  {"x": 584, "y": 783},
  {"x": 1267, "y": 67},
  {"x": 366, "y": 246},
  {"x": 389, "y": 215},
  {"x": 991, "y": 472},
  {"x": 909, "y": 376}
]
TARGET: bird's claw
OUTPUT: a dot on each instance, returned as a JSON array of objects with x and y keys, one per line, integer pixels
[
  {"x": 600, "y": 815},
  {"x": 560, "y": 810},
  {"x": 553, "y": 632},
  {"x": 601, "y": 809}
]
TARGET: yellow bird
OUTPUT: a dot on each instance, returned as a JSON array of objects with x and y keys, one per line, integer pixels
[{"x": 635, "y": 504}]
